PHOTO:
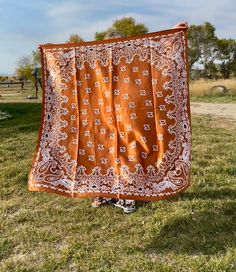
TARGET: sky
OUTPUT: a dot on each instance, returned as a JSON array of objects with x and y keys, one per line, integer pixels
[{"x": 26, "y": 23}]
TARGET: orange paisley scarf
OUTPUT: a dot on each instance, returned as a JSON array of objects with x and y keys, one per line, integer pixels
[{"x": 115, "y": 118}]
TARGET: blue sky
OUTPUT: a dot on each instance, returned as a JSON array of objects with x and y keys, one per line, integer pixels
[{"x": 27, "y": 23}]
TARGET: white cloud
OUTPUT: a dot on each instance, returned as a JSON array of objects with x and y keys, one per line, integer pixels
[
  {"x": 64, "y": 9},
  {"x": 84, "y": 17}
]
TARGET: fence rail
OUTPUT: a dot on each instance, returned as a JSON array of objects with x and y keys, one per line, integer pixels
[{"x": 13, "y": 83}]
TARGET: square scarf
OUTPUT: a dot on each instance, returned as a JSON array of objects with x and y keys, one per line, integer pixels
[{"x": 115, "y": 118}]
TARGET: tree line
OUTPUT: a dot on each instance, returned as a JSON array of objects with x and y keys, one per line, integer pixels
[{"x": 209, "y": 56}]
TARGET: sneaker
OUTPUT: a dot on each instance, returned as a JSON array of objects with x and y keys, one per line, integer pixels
[
  {"x": 119, "y": 203},
  {"x": 128, "y": 206}
]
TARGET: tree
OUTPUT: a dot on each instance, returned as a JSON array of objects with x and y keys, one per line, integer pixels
[
  {"x": 211, "y": 70},
  {"x": 74, "y": 38},
  {"x": 36, "y": 55},
  {"x": 24, "y": 61},
  {"x": 24, "y": 68},
  {"x": 202, "y": 46},
  {"x": 37, "y": 71},
  {"x": 2, "y": 78},
  {"x": 127, "y": 26},
  {"x": 99, "y": 36},
  {"x": 194, "y": 39},
  {"x": 29, "y": 68},
  {"x": 227, "y": 56}
]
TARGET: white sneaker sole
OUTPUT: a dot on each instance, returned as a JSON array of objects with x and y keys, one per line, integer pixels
[{"x": 126, "y": 210}]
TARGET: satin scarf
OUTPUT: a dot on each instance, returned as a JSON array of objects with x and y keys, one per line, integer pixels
[{"x": 115, "y": 118}]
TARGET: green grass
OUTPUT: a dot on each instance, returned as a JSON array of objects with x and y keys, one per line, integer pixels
[
  {"x": 194, "y": 231},
  {"x": 214, "y": 98},
  {"x": 15, "y": 94}
]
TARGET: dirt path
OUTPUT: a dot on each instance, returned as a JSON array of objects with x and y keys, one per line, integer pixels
[{"x": 226, "y": 111}]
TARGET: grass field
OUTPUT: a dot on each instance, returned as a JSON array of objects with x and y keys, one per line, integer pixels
[
  {"x": 15, "y": 94},
  {"x": 200, "y": 91},
  {"x": 194, "y": 231}
]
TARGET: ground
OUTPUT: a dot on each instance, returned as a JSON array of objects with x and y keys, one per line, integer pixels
[
  {"x": 194, "y": 231},
  {"x": 226, "y": 111}
]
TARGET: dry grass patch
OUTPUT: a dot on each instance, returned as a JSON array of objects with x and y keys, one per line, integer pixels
[{"x": 203, "y": 87}]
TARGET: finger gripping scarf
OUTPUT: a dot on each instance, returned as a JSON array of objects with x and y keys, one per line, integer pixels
[{"x": 115, "y": 118}]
